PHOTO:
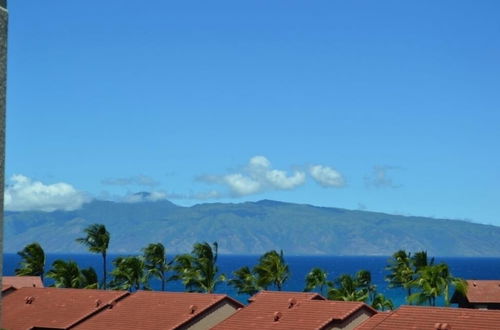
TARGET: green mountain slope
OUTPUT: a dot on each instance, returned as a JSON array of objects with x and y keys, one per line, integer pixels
[{"x": 251, "y": 228}]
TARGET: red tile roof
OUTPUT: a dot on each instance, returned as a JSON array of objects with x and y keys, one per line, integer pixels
[
  {"x": 285, "y": 295},
  {"x": 417, "y": 317},
  {"x": 483, "y": 291},
  {"x": 7, "y": 287},
  {"x": 52, "y": 307},
  {"x": 23, "y": 281},
  {"x": 155, "y": 310},
  {"x": 373, "y": 321},
  {"x": 290, "y": 310}
]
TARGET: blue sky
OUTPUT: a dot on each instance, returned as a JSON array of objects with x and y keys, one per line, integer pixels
[{"x": 388, "y": 106}]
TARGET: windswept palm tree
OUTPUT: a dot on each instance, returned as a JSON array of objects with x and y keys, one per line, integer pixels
[
  {"x": 155, "y": 262},
  {"x": 401, "y": 272},
  {"x": 198, "y": 271},
  {"x": 363, "y": 280},
  {"x": 382, "y": 303},
  {"x": 67, "y": 274},
  {"x": 97, "y": 241},
  {"x": 317, "y": 278},
  {"x": 272, "y": 269},
  {"x": 129, "y": 274},
  {"x": 33, "y": 261},
  {"x": 245, "y": 281},
  {"x": 435, "y": 281},
  {"x": 346, "y": 289},
  {"x": 431, "y": 285}
]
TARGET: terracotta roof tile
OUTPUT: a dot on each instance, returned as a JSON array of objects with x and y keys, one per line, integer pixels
[
  {"x": 7, "y": 287},
  {"x": 284, "y": 295},
  {"x": 155, "y": 310},
  {"x": 23, "y": 281},
  {"x": 483, "y": 291},
  {"x": 373, "y": 321},
  {"x": 52, "y": 307},
  {"x": 290, "y": 310},
  {"x": 417, "y": 317}
]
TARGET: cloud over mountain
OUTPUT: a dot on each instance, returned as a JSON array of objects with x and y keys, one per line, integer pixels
[
  {"x": 24, "y": 194},
  {"x": 326, "y": 176},
  {"x": 257, "y": 176}
]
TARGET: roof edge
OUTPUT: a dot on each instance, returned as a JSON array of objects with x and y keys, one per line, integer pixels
[{"x": 236, "y": 303}]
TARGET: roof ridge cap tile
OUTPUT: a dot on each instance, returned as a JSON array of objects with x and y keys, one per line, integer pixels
[{"x": 98, "y": 309}]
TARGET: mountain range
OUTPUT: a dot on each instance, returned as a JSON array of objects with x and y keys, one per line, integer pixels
[{"x": 250, "y": 228}]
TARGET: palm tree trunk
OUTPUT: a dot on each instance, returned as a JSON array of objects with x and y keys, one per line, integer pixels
[
  {"x": 163, "y": 281},
  {"x": 104, "y": 270}
]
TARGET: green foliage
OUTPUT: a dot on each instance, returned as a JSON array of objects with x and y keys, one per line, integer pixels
[
  {"x": 434, "y": 281},
  {"x": 348, "y": 288},
  {"x": 419, "y": 273},
  {"x": 358, "y": 288},
  {"x": 382, "y": 303},
  {"x": 271, "y": 270},
  {"x": 129, "y": 274},
  {"x": 32, "y": 262},
  {"x": 198, "y": 271},
  {"x": 404, "y": 270},
  {"x": 317, "y": 279},
  {"x": 401, "y": 273},
  {"x": 97, "y": 241},
  {"x": 155, "y": 262},
  {"x": 67, "y": 274},
  {"x": 245, "y": 281}
]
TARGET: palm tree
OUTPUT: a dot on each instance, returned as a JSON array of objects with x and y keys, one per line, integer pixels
[
  {"x": 316, "y": 278},
  {"x": 435, "y": 281},
  {"x": 89, "y": 277},
  {"x": 155, "y": 262},
  {"x": 346, "y": 289},
  {"x": 459, "y": 284},
  {"x": 33, "y": 261},
  {"x": 272, "y": 269},
  {"x": 382, "y": 303},
  {"x": 68, "y": 275},
  {"x": 431, "y": 285},
  {"x": 97, "y": 241},
  {"x": 245, "y": 281},
  {"x": 198, "y": 271},
  {"x": 401, "y": 271},
  {"x": 420, "y": 260},
  {"x": 129, "y": 273},
  {"x": 363, "y": 279}
]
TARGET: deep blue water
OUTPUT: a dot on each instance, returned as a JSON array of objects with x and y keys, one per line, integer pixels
[{"x": 467, "y": 268}]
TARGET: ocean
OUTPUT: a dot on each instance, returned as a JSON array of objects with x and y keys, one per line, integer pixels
[{"x": 467, "y": 268}]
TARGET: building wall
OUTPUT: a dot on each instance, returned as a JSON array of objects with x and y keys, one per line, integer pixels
[
  {"x": 212, "y": 317},
  {"x": 353, "y": 321}
]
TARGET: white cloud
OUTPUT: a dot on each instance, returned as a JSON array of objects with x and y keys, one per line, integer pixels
[
  {"x": 280, "y": 180},
  {"x": 257, "y": 176},
  {"x": 326, "y": 176},
  {"x": 242, "y": 185},
  {"x": 24, "y": 194}
]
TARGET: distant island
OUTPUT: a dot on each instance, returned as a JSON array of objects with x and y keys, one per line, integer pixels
[{"x": 251, "y": 228}]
